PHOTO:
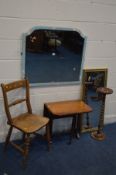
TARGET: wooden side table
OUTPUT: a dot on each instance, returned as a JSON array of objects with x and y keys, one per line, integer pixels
[
  {"x": 99, "y": 135},
  {"x": 62, "y": 109}
]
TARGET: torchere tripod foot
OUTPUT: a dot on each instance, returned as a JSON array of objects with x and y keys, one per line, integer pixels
[{"x": 98, "y": 136}]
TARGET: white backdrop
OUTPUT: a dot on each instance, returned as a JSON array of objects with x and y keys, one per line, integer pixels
[{"x": 96, "y": 19}]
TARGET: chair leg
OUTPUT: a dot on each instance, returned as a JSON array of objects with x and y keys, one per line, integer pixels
[
  {"x": 26, "y": 148},
  {"x": 48, "y": 136},
  {"x": 8, "y": 138}
]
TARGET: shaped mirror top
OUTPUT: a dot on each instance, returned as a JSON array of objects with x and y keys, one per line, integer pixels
[{"x": 53, "y": 56}]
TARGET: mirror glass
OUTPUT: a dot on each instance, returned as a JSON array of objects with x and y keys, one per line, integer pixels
[
  {"x": 53, "y": 56},
  {"x": 92, "y": 79}
]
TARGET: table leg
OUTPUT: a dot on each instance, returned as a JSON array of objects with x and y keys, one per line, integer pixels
[
  {"x": 48, "y": 136},
  {"x": 51, "y": 128},
  {"x": 72, "y": 132},
  {"x": 79, "y": 125},
  {"x": 76, "y": 127}
]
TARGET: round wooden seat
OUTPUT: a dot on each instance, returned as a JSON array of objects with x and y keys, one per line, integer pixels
[{"x": 29, "y": 123}]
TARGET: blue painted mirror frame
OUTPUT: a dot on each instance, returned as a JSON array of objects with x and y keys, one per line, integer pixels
[{"x": 55, "y": 33}]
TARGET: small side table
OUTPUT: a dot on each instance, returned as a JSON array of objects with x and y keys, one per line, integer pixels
[
  {"x": 64, "y": 109},
  {"x": 99, "y": 135}
]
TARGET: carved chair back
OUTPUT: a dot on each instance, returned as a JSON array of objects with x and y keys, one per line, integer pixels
[{"x": 6, "y": 88}]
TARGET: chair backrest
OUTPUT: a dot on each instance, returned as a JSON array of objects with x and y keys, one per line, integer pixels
[{"x": 13, "y": 86}]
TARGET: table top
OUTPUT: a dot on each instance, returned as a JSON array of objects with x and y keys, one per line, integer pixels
[
  {"x": 71, "y": 107},
  {"x": 104, "y": 90}
]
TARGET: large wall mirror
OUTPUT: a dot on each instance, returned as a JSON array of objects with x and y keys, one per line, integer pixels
[
  {"x": 53, "y": 56},
  {"x": 92, "y": 79}
]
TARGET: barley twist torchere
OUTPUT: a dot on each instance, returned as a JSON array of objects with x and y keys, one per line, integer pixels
[{"x": 99, "y": 135}]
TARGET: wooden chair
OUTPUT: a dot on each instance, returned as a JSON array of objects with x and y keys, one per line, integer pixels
[{"x": 27, "y": 122}]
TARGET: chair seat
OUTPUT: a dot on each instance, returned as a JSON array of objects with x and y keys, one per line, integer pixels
[{"x": 29, "y": 123}]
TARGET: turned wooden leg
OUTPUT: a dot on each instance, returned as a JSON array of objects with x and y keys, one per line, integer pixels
[
  {"x": 8, "y": 138},
  {"x": 26, "y": 148}
]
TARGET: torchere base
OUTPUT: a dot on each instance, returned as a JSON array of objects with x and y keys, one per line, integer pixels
[{"x": 98, "y": 136}]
